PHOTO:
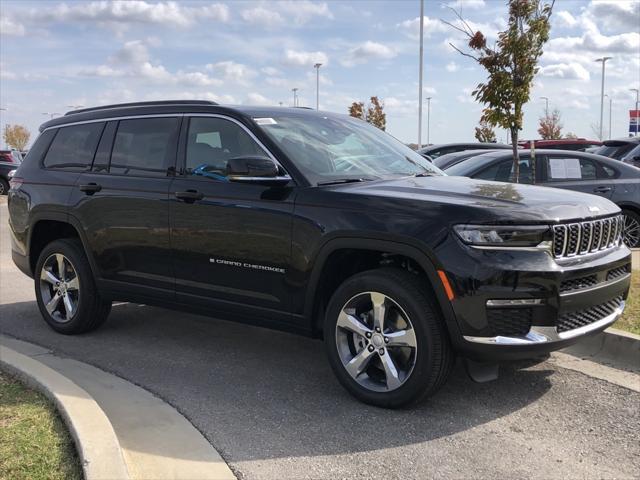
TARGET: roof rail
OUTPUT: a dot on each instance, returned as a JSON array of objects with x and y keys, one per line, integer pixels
[{"x": 142, "y": 104}]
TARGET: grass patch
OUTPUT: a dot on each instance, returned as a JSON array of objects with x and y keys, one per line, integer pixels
[
  {"x": 34, "y": 442},
  {"x": 630, "y": 321}
]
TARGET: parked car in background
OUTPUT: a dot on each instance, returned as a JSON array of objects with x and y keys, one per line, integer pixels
[
  {"x": 450, "y": 159},
  {"x": 434, "y": 151},
  {"x": 9, "y": 160},
  {"x": 624, "y": 149},
  {"x": 576, "y": 144},
  {"x": 584, "y": 172}
]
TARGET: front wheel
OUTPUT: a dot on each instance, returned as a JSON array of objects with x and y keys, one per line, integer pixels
[
  {"x": 631, "y": 231},
  {"x": 66, "y": 291},
  {"x": 385, "y": 338}
]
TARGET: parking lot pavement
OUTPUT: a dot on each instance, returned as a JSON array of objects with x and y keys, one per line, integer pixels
[{"x": 270, "y": 404}]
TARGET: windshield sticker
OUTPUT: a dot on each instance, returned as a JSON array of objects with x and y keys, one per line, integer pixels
[{"x": 265, "y": 121}]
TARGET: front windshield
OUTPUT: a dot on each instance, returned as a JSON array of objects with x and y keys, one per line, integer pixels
[{"x": 332, "y": 148}]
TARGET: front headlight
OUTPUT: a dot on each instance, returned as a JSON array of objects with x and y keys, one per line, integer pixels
[{"x": 505, "y": 235}]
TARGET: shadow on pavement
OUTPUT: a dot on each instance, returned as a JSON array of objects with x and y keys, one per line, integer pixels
[{"x": 260, "y": 394}]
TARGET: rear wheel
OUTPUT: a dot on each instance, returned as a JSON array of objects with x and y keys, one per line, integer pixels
[
  {"x": 631, "y": 232},
  {"x": 4, "y": 186},
  {"x": 65, "y": 289},
  {"x": 385, "y": 338}
]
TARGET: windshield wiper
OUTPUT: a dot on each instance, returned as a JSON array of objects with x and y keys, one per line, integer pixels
[
  {"x": 425, "y": 174},
  {"x": 344, "y": 180}
]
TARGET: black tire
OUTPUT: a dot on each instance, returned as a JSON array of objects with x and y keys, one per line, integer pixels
[
  {"x": 434, "y": 357},
  {"x": 91, "y": 310},
  {"x": 634, "y": 219},
  {"x": 4, "y": 186}
]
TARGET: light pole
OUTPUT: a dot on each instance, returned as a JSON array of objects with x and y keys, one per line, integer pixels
[
  {"x": 420, "y": 76},
  {"x": 428, "y": 119},
  {"x": 295, "y": 96},
  {"x": 610, "y": 107},
  {"x": 51, "y": 115},
  {"x": 546, "y": 108},
  {"x": 637, "y": 119},
  {"x": 604, "y": 61},
  {"x": 317, "y": 67},
  {"x": 5, "y": 126}
]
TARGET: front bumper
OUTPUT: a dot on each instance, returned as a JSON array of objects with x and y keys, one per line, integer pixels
[{"x": 521, "y": 304}]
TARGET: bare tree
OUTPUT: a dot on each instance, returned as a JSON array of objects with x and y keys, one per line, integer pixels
[{"x": 16, "y": 136}]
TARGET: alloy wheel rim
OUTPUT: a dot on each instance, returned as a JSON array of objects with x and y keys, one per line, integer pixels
[
  {"x": 376, "y": 341},
  {"x": 631, "y": 232},
  {"x": 59, "y": 288}
]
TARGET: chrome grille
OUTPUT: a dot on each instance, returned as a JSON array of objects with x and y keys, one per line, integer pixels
[{"x": 586, "y": 237}]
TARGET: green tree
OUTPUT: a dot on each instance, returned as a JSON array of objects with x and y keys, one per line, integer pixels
[
  {"x": 511, "y": 64},
  {"x": 484, "y": 132},
  {"x": 550, "y": 126}
]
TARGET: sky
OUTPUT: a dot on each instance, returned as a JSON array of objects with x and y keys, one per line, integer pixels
[{"x": 55, "y": 55}]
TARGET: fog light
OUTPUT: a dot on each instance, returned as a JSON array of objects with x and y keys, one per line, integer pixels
[{"x": 516, "y": 302}]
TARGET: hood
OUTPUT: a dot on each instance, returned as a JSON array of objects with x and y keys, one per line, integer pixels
[{"x": 501, "y": 201}]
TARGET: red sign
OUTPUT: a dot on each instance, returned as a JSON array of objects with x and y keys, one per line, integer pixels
[{"x": 634, "y": 121}]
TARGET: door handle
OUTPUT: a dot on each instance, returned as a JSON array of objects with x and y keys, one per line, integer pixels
[
  {"x": 189, "y": 196},
  {"x": 90, "y": 188},
  {"x": 602, "y": 189}
]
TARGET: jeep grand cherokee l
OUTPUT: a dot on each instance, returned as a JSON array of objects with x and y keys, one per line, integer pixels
[{"x": 314, "y": 223}]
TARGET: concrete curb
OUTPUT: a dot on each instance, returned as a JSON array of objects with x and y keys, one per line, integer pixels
[
  {"x": 153, "y": 438},
  {"x": 612, "y": 347},
  {"x": 95, "y": 439}
]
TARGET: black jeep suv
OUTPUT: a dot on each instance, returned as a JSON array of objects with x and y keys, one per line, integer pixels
[{"x": 314, "y": 223}]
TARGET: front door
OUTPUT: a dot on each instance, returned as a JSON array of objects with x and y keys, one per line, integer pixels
[{"x": 231, "y": 241}]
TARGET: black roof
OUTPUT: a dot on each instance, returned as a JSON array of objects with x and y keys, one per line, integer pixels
[{"x": 175, "y": 106}]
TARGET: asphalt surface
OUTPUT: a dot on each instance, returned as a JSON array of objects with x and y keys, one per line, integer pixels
[{"x": 269, "y": 403}]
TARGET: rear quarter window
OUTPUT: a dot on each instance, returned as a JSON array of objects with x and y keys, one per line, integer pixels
[
  {"x": 40, "y": 147},
  {"x": 73, "y": 147}
]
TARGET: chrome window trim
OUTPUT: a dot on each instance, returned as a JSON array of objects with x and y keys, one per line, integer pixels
[{"x": 178, "y": 115}]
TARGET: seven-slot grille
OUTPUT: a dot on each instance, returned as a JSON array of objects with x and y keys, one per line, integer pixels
[{"x": 586, "y": 237}]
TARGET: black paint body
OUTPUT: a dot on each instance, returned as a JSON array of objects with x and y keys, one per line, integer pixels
[{"x": 145, "y": 245}]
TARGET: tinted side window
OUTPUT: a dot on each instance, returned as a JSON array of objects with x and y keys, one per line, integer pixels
[
  {"x": 145, "y": 146},
  {"x": 503, "y": 171},
  {"x": 73, "y": 147},
  {"x": 211, "y": 142},
  {"x": 40, "y": 147}
]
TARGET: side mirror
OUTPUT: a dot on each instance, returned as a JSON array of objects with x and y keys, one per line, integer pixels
[{"x": 260, "y": 170}]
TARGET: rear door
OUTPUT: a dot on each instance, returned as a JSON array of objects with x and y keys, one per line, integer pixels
[
  {"x": 578, "y": 173},
  {"x": 123, "y": 208},
  {"x": 231, "y": 241}
]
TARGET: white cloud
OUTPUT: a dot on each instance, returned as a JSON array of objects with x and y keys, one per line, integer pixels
[
  {"x": 101, "y": 71},
  {"x": 8, "y": 26},
  {"x": 304, "y": 10},
  {"x": 257, "y": 99},
  {"x": 465, "y": 5},
  {"x": 411, "y": 28},
  {"x": 301, "y": 58},
  {"x": 262, "y": 16},
  {"x": 367, "y": 51},
  {"x": 452, "y": 67},
  {"x": 271, "y": 71},
  {"x": 567, "y": 71},
  {"x": 616, "y": 13},
  {"x": 133, "y": 52},
  {"x": 232, "y": 71},
  {"x": 565, "y": 19},
  {"x": 135, "y": 11}
]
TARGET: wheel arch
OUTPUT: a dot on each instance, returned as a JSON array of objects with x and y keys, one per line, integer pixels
[
  {"x": 47, "y": 227},
  {"x": 315, "y": 295}
]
